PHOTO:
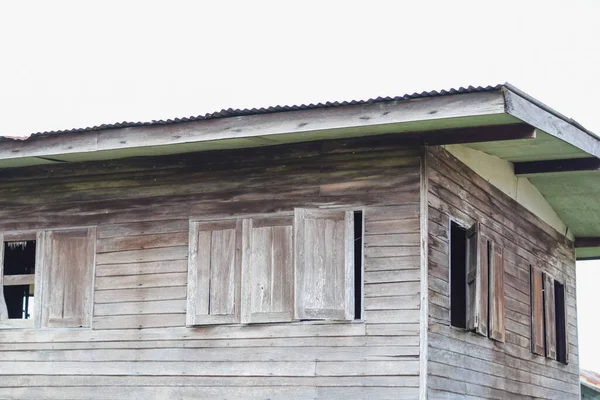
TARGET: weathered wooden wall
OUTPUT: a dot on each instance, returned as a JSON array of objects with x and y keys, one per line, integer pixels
[
  {"x": 463, "y": 365},
  {"x": 139, "y": 347}
]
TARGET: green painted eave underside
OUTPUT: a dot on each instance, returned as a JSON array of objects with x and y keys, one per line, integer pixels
[
  {"x": 575, "y": 196},
  {"x": 588, "y": 253},
  {"x": 543, "y": 147}
]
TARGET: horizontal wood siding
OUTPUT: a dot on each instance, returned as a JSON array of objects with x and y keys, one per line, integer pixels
[
  {"x": 138, "y": 346},
  {"x": 464, "y": 365}
]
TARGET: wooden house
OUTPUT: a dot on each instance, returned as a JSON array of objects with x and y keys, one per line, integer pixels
[{"x": 419, "y": 247}]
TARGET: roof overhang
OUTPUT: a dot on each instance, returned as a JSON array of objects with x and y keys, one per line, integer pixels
[{"x": 501, "y": 121}]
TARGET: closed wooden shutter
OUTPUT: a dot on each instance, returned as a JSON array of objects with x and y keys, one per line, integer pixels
[
  {"x": 477, "y": 280},
  {"x": 68, "y": 275},
  {"x": 324, "y": 264},
  {"x": 550, "y": 316},
  {"x": 268, "y": 269},
  {"x": 496, "y": 292},
  {"x": 214, "y": 268},
  {"x": 537, "y": 311}
]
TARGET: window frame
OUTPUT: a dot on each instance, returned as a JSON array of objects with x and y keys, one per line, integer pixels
[
  {"x": 282, "y": 214},
  {"x": 484, "y": 259},
  {"x": 463, "y": 306},
  {"x": 552, "y": 352},
  {"x": 39, "y": 235},
  {"x": 15, "y": 236}
]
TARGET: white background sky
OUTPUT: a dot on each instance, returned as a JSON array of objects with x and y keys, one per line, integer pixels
[{"x": 74, "y": 64}]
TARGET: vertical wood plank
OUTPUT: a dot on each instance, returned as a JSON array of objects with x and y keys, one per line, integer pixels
[
  {"x": 496, "y": 293},
  {"x": 193, "y": 290},
  {"x": 222, "y": 272},
  {"x": 550, "y": 316},
  {"x": 473, "y": 262},
  {"x": 56, "y": 284},
  {"x": 537, "y": 311},
  {"x": 246, "y": 276},
  {"x": 424, "y": 276},
  {"x": 204, "y": 245},
  {"x": 282, "y": 281},
  {"x": 3, "y": 308},
  {"x": 483, "y": 286},
  {"x": 89, "y": 276}
]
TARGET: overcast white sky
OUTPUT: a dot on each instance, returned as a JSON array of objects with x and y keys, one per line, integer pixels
[{"x": 74, "y": 64}]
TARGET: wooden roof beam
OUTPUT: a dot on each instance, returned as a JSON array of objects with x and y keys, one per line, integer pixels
[
  {"x": 552, "y": 166},
  {"x": 527, "y": 109},
  {"x": 581, "y": 242},
  {"x": 491, "y": 133}
]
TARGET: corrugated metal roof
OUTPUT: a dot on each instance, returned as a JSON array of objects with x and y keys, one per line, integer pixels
[
  {"x": 590, "y": 379},
  {"x": 255, "y": 111}
]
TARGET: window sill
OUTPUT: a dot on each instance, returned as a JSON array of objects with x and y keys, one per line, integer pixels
[
  {"x": 283, "y": 323},
  {"x": 17, "y": 324}
]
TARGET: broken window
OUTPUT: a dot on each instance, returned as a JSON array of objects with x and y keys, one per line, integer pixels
[{"x": 19, "y": 278}]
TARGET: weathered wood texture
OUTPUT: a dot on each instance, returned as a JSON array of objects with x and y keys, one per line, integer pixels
[
  {"x": 139, "y": 345},
  {"x": 466, "y": 365}
]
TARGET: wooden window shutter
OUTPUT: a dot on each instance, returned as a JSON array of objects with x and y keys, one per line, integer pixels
[
  {"x": 324, "y": 264},
  {"x": 214, "y": 268},
  {"x": 550, "y": 316},
  {"x": 267, "y": 269},
  {"x": 3, "y": 307},
  {"x": 537, "y": 311},
  {"x": 496, "y": 292},
  {"x": 477, "y": 280},
  {"x": 68, "y": 270}
]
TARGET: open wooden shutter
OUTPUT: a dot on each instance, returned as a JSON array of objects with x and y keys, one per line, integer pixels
[
  {"x": 477, "y": 280},
  {"x": 214, "y": 267},
  {"x": 324, "y": 264},
  {"x": 550, "y": 316},
  {"x": 68, "y": 274},
  {"x": 268, "y": 269},
  {"x": 496, "y": 292},
  {"x": 537, "y": 311},
  {"x": 3, "y": 308}
]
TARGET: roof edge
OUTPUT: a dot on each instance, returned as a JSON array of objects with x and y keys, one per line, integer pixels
[
  {"x": 537, "y": 114},
  {"x": 228, "y": 113}
]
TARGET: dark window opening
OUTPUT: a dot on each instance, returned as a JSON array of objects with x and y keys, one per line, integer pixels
[
  {"x": 19, "y": 270},
  {"x": 561, "y": 323},
  {"x": 458, "y": 276},
  {"x": 358, "y": 256}
]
